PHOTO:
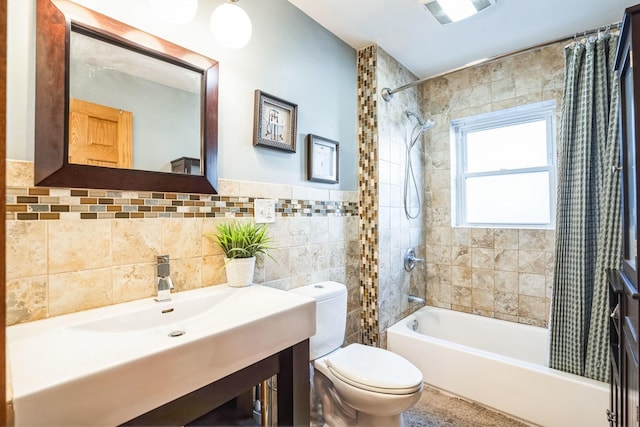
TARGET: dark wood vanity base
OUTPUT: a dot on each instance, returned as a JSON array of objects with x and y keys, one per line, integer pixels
[{"x": 291, "y": 367}]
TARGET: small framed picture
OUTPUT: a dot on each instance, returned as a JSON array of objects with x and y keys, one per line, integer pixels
[
  {"x": 322, "y": 159},
  {"x": 274, "y": 123}
]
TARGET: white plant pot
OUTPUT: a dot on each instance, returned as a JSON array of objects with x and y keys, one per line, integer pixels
[{"x": 240, "y": 271}]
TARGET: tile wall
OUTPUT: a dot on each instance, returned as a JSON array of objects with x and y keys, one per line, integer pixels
[
  {"x": 385, "y": 232},
  {"x": 398, "y": 233},
  {"x": 503, "y": 273},
  {"x": 74, "y": 249},
  {"x": 368, "y": 193}
]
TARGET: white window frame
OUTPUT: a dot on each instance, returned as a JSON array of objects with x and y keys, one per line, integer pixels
[{"x": 545, "y": 110}]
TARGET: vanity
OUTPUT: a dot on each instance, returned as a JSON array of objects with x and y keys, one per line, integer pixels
[{"x": 163, "y": 363}]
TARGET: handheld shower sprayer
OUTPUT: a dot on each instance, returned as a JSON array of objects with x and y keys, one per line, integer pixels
[
  {"x": 409, "y": 177},
  {"x": 410, "y": 114},
  {"x": 424, "y": 124},
  {"x": 428, "y": 124}
]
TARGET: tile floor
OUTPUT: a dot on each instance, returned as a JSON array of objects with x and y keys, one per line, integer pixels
[{"x": 436, "y": 409}]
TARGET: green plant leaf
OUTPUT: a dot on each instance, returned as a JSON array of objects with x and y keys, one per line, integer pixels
[{"x": 243, "y": 239}]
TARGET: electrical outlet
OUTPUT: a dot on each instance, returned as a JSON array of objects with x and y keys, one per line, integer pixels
[{"x": 264, "y": 210}]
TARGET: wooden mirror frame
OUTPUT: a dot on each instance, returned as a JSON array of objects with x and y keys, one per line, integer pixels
[{"x": 54, "y": 22}]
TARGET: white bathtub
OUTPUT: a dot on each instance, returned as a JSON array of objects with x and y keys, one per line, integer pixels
[{"x": 498, "y": 364}]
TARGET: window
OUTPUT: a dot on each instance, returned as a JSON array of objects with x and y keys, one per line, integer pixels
[{"x": 503, "y": 166}]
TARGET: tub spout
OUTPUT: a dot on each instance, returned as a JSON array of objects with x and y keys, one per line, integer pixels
[{"x": 416, "y": 299}]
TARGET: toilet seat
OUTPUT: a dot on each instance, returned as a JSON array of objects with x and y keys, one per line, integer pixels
[{"x": 375, "y": 369}]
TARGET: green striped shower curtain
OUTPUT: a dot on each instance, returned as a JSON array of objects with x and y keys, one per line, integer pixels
[{"x": 588, "y": 235}]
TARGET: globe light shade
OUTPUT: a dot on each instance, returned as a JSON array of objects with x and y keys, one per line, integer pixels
[
  {"x": 231, "y": 26},
  {"x": 175, "y": 11}
]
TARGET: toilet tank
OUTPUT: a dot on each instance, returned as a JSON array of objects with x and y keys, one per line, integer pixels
[{"x": 331, "y": 316}]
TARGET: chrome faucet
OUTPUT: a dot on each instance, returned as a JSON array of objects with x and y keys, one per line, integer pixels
[
  {"x": 165, "y": 284},
  {"x": 413, "y": 299}
]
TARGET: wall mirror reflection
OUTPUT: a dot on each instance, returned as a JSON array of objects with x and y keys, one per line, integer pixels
[
  {"x": 129, "y": 110},
  {"x": 121, "y": 109}
]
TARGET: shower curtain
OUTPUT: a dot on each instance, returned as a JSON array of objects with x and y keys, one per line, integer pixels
[{"x": 588, "y": 235}]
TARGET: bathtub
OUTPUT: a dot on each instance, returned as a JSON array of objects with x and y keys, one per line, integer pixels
[{"x": 500, "y": 365}]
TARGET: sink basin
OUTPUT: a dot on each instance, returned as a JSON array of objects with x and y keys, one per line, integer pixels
[
  {"x": 162, "y": 314},
  {"x": 109, "y": 365}
]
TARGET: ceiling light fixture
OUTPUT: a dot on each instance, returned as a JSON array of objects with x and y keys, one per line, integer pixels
[
  {"x": 230, "y": 25},
  {"x": 448, "y": 11}
]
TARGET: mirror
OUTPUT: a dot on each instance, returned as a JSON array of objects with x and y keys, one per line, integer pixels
[
  {"x": 118, "y": 108},
  {"x": 158, "y": 101}
]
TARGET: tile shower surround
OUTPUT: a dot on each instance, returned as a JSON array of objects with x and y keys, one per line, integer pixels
[
  {"x": 397, "y": 232},
  {"x": 385, "y": 233},
  {"x": 73, "y": 249},
  {"x": 502, "y": 273}
]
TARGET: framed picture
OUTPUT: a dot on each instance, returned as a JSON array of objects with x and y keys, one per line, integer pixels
[
  {"x": 322, "y": 159},
  {"x": 274, "y": 123}
]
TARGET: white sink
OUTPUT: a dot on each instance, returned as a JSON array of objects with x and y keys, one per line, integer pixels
[
  {"x": 161, "y": 314},
  {"x": 109, "y": 365}
]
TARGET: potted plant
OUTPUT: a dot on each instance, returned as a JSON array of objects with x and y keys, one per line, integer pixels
[{"x": 242, "y": 243}]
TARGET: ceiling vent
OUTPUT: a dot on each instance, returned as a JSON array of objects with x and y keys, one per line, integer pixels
[{"x": 448, "y": 11}]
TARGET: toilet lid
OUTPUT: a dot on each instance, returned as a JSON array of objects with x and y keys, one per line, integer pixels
[{"x": 375, "y": 369}]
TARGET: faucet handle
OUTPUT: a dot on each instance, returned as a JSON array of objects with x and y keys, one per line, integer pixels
[{"x": 410, "y": 259}]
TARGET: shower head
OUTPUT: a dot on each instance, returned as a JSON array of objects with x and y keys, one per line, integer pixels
[
  {"x": 424, "y": 124},
  {"x": 428, "y": 124},
  {"x": 410, "y": 114}
]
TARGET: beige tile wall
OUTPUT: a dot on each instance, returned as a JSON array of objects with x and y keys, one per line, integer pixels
[
  {"x": 68, "y": 265},
  {"x": 397, "y": 232},
  {"x": 503, "y": 273},
  {"x": 385, "y": 232}
]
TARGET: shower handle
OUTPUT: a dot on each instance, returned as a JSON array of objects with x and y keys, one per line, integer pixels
[{"x": 410, "y": 259}]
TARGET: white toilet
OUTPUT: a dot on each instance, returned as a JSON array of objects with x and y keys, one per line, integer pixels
[{"x": 376, "y": 384}]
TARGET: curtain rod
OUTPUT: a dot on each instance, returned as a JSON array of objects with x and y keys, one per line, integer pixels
[{"x": 387, "y": 94}]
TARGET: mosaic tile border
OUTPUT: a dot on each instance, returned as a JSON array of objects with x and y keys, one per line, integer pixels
[
  {"x": 41, "y": 203},
  {"x": 368, "y": 193}
]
